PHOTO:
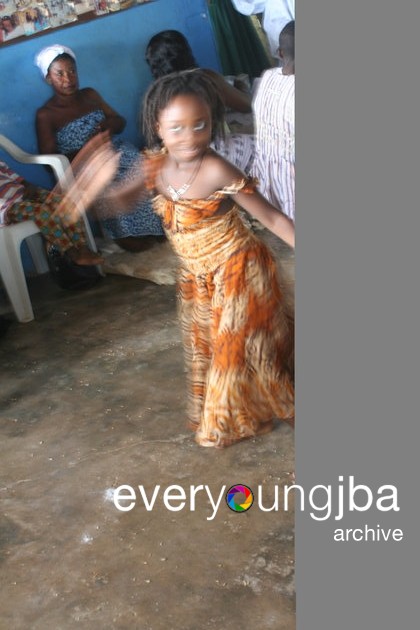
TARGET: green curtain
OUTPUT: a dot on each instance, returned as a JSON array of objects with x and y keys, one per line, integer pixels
[{"x": 239, "y": 45}]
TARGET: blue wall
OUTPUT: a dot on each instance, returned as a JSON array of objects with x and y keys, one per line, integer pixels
[{"x": 110, "y": 58}]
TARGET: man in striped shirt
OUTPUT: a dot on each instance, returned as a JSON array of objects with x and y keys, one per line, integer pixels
[{"x": 274, "y": 119}]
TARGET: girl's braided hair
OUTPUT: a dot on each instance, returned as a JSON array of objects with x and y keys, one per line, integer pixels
[{"x": 162, "y": 91}]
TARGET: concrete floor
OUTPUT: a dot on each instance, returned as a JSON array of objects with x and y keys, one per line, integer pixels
[{"x": 92, "y": 397}]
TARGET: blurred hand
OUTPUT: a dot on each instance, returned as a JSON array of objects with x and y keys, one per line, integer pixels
[
  {"x": 98, "y": 141},
  {"x": 92, "y": 176}
]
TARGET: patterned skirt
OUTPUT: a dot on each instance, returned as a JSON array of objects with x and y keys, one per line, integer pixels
[{"x": 238, "y": 336}]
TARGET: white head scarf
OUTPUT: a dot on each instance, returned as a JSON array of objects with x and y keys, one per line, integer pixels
[{"x": 47, "y": 55}]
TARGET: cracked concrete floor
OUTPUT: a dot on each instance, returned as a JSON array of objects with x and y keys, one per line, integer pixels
[{"x": 93, "y": 397}]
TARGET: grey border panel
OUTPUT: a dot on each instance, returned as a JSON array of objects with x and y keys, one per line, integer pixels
[{"x": 357, "y": 306}]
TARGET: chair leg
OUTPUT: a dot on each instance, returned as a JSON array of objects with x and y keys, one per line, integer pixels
[
  {"x": 91, "y": 241},
  {"x": 14, "y": 280},
  {"x": 36, "y": 248}
]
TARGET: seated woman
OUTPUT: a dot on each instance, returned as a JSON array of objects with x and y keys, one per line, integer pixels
[
  {"x": 70, "y": 118},
  {"x": 22, "y": 201},
  {"x": 169, "y": 51}
]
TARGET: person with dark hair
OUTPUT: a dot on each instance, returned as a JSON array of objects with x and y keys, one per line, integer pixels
[
  {"x": 274, "y": 119},
  {"x": 70, "y": 118},
  {"x": 286, "y": 49},
  {"x": 238, "y": 335},
  {"x": 169, "y": 51}
]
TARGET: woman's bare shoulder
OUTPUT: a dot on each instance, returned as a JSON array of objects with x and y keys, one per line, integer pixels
[
  {"x": 46, "y": 107},
  {"x": 90, "y": 94},
  {"x": 89, "y": 91},
  {"x": 46, "y": 115}
]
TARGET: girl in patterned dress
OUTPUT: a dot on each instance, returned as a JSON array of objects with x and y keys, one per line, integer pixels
[{"x": 237, "y": 335}]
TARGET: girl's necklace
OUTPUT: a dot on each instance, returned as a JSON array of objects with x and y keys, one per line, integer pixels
[{"x": 177, "y": 194}]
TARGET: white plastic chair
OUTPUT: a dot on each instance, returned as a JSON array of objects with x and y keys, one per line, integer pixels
[{"x": 12, "y": 236}]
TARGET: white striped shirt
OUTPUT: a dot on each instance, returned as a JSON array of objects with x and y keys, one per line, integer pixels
[{"x": 274, "y": 116}]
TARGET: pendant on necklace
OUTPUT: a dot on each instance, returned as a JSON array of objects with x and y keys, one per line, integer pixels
[{"x": 177, "y": 194}]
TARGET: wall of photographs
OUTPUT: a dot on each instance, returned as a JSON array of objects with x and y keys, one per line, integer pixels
[{"x": 27, "y": 18}]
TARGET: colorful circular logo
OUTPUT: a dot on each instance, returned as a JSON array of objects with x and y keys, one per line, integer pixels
[{"x": 239, "y": 498}]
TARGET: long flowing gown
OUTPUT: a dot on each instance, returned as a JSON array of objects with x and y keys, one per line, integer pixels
[
  {"x": 238, "y": 337},
  {"x": 142, "y": 220}
]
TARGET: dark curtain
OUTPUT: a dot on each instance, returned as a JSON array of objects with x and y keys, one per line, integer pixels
[{"x": 239, "y": 46}]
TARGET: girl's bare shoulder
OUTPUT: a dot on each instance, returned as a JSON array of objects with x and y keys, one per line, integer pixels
[{"x": 221, "y": 172}]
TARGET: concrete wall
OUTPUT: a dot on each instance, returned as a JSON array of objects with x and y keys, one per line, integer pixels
[{"x": 110, "y": 58}]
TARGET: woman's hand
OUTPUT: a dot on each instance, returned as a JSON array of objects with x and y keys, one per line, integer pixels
[{"x": 113, "y": 124}]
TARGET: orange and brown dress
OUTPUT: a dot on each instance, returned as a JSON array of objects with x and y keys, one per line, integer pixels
[{"x": 237, "y": 336}]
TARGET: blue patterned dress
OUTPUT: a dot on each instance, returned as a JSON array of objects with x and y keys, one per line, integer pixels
[{"x": 143, "y": 220}]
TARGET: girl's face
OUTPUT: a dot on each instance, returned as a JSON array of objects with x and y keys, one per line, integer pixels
[
  {"x": 185, "y": 127},
  {"x": 62, "y": 76}
]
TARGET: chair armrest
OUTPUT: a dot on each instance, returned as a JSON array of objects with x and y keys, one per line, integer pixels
[
  {"x": 59, "y": 163},
  {"x": 62, "y": 171}
]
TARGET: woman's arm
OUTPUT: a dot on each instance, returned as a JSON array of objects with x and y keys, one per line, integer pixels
[
  {"x": 114, "y": 122},
  {"x": 45, "y": 132},
  {"x": 233, "y": 98}
]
